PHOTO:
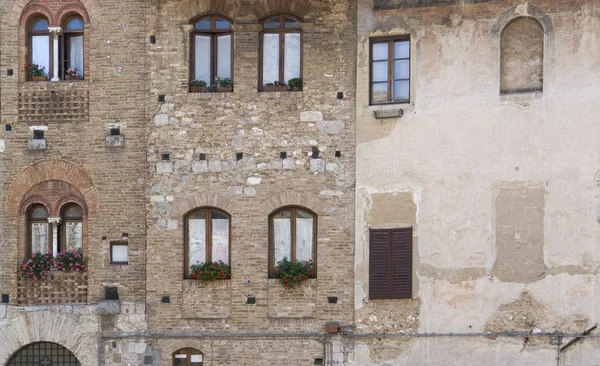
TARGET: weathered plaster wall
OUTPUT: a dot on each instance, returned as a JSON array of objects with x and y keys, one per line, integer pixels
[{"x": 501, "y": 190}]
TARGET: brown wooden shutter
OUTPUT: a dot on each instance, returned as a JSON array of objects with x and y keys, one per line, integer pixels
[{"x": 390, "y": 263}]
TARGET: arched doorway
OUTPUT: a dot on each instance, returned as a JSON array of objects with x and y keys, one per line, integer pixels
[{"x": 43, "y": 354}]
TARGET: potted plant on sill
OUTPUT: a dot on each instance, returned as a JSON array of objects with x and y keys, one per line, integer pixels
[
  {"x": 212, "y": 88},
  {"x": 295, "y": 84},
  {"x": 275, "y": 86},
  {"x": 293, "y": 274},
  {"x": 197, "y": 86},
  {"x": 36, "y": 71},
  {"x": 223, "y": 84},
  {"x": 72, "y": 73},
  {"x": 210, "y": 271}
]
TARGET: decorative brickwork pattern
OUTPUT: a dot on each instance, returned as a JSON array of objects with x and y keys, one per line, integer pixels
[
  {"x": 58, "y": 288},
  {"x": 53, "y": 106}
]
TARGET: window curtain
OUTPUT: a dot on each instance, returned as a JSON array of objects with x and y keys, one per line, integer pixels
[
  {"x": 270, "y": 58},
  {"x": 224, "y": 56},
  {"x": 40, "y": 52},
  {"x": 220, "y": 240},
  {"x": 282, "y": 236},
  {"x": 292, "y": 57},
  {"x": 39, "y": 237},
  {"x": 202, "y": 55},
  {"x": 197, "y": 241},
  {"x": 76, "y": 53},
  {"x": 73, "y": 235},
  {"x": 304, "y": 239}
]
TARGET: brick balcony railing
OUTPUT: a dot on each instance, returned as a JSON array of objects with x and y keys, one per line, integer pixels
[{"x": 58, "y": 288}]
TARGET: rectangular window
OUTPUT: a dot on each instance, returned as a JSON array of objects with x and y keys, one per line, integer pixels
[
  {"x": 119, "y": 252},
  {"x": 390, "y": 263},
  {"x": 390, "y": 70}
]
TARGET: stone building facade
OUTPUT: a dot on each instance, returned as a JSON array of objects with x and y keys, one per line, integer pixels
[
  {"x": 139, "y": 155},
  {"x": 494, "y": 165}
]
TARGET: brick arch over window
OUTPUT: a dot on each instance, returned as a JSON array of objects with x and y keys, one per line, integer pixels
[
  {"x": 25, "y": 7},
  {"x": 264, "y": 8},
  {"x": 194, "y": 8},
  {"x": 48, "y": 170},
  {"x": 301, "y": 199},
  {"x": 191, "y": 201},
  {"x": 34, "y": 10},
  {"x": 525, "y": 10}
]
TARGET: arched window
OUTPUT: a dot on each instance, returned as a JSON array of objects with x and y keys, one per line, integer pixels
[
  {"x": 43, "y": 353},
  {"x": 207, "y": 237},
  {"x": 292, "y": 235},
  {"x": 281, "y": 50},
  {"x": 72, "y": 228},
  {"x": 40, "y": 236},
  {"x": 40, "y": 50},
  {"x": 522, "y": 56},
  {"x": 187, "y": 357},
  {"x": 72, "y": 47},
  {"x": 211, "y": 49}
]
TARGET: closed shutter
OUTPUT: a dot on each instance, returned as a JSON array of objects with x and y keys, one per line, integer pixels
[{"x": 390, "y": 263}]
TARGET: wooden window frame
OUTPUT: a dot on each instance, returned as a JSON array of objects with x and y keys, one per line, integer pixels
[
  {"x": 64, "y": 48},
  {"x": 62, "y": 243},
  {"x": 208, "y": 236},
  {"x": 390, "y": 78},
  {"x": 282, "y": 31},
  {"x": 214, "y": 34},
  {"x": 31, "y": 221},
  {"x": 188, "y": 352},
  {"x": 390, "y": 264},
  {"x": 30, "y": 34},
  {"x": 292, "y": 210},
  {"x": 120, "y": 243}
]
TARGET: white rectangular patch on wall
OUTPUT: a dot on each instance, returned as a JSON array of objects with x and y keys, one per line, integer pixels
[{"x": 119, "y": 252}]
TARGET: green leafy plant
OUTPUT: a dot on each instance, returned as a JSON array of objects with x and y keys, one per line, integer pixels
[
  {"x": 70, "y": 261},
  {"x": 199, "y": 83},
  {"x": 293, "y": 273},
  {"x": 212, "y": 88},
  {"x": 223, "y": 82},
  {"x": 295, "y": 83},
  {"x": 275, "y": 83},
  {"x": 35, "y": 70},
  {"x": 210, "y": 271},
  {"x": 37, "y": 267}
]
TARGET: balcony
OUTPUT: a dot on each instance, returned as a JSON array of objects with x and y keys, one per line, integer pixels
[{"x": 59, "y": 288}]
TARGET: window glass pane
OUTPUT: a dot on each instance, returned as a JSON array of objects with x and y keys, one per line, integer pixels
[
  {"x": 380, "y": 91},
  {"x": 273, "y": 23},
  {"x": 76, "y": 53},
  {"x": 270, "y": 58},
  {"x": 220, "y": 238},
  {"x": 73, "y": 235},
  {"x": 39, "y": 237},
  {"x": 73, "y": 212},
  {"x": 202, "y": 54},
  {"x": 402, "y": 49},
  {"x": 401, "y": 90},
  {"x": 39, "y": 213},
  {"x": 40, "y": 51},
  {"x": 380, "y": 51},
  {"x": 222, "y": 24},
  {"x": 224, "y": 56},
  {"x": 282, "y": 236},
  {"x": 40, "y": 25},
  {"x": 203, "y": 24},
  {"x": 196, "y": 359},
  {"x": 180, "y": 360},
  {"x": 380, "y": 71},
  {"x": 120, "y": 253},
  {"x": 74, "y": 24},
  {"x": 197, "y": 238},
  {"x": 304, "y": 236},
  {"x": 291, "y": 23},
  {"x": 401, "y": 69},
  {"x": 292, "y": 57}
]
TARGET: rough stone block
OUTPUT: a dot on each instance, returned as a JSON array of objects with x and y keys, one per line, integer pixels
[
  {"x": 2, "y": 145},
  {"x": 331, "y": 127},
  {"x": 109, "y": 307},
  {"x": 331, "y": 167},
  {"x": 161, "y": 119},
  {"x": 288, "y": 163},
  {"x": 311, "y": 116},
  {"x": 3, "y": 311},
  {"x": 200, "y": 166},
  {"x": 215, "y": 166},
  {"x": 317, "y": 165},
  {"x": 164, "y": 168}
]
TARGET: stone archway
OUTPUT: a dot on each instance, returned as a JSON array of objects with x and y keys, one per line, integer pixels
[{"x": 43, "y": 353}]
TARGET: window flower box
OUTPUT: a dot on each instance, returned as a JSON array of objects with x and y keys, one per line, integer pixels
[
  {"x": 38, "y": 78},
  {"x": 197, "y": 89},
  {"x": 222, "y": 89},
  {"x": 274, "y": 88}
]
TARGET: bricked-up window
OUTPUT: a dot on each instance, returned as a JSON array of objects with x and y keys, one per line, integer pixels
[
  {"x": 72, "y": 228},
  {"x": 40, "y": 236},
  {"x": 292, "y": 235},
  {"x": 207, "y": 237},
  {"x": 39, "y": 46},
  {"x": 522, "y": 56},
  {"x": 390, "y": 70},
  {"x": 281, "y": 50},
  {"x": 187, "y": 357},
  {"x": 72, "y": 46},
  {"x": 390, "y": 263},
  {"x": 211, "y": 49}
]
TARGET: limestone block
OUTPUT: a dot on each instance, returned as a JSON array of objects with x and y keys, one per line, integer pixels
[
  {"x": 311, "y": 116},
  {"x": 331, "y": 127},
  {"x": 161, "y": 119},
  {"x": 200, "y": 166},
  {"x": 2, "y": 145},
  {"x": 215, "y": 166},
  {"x": 109, "y": 307},
  {"x": 249, "y": 191},
  {"x": 182, "y": 166},
  {"x": 288, "y": 163},
  {"x": 137, "y": 347},
  {"x": 3, "y": 311},
  {"x": 331, "y": 167},
  {"x": 277, "y": 164},
  {"x": 164, "y": 167},
  {"x": 254, "y": 180},
  {"x": 317, "y": 165}
]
